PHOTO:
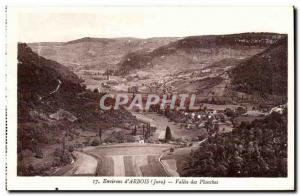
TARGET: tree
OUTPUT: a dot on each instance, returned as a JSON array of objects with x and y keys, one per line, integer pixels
[
  {"x": 134, "y": 130},
  {"x": 229, "y": 112},
  {"x": 144, "y": 131},
  {"x": 216, "y": 128},
  {"x": 241, "y": 110},
  {"x": 222, "y": 118},
  {"x": 95, "y": 90},
  {"x": 168, "y": 134},
  {"x": 208, "y": 125},
  {"x": 100, "y": 135}
]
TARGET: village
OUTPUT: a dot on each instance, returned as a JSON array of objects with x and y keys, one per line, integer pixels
[{"x": 212, "y": 117}]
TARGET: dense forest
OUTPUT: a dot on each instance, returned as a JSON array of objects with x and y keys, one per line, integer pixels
[
  {"x": 265, "y": 73},
  {"x": 257, "y": 149}
]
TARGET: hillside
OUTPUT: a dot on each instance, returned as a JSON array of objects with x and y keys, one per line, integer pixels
[
  {"x": 190, "y": 64},
  {"x": 95, "y": 53},
  {"x": 35, "y": 72},
  {"x": 264, "y": 73},
  {"x": 218, "y": 156},
  {"x": 90, "y": 57},
  {"x": 198, "y": 51},
  {"x": 53, "y": 105}
]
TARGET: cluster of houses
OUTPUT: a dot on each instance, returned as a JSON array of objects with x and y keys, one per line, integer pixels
[{"x": 209, "y": 120}]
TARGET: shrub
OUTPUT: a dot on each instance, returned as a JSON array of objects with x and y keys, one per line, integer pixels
[
  {"x": 95, "y": 142},
  {"x": 71, "y": 148},
  {"x": 66, "y": 158},
  {"x": 229, "y": 112},
  {"x": 39, "y": 154}
]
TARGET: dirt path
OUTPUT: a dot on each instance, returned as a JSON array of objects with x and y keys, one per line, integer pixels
[
  {"x": 84, "y": 165},
  {"x": 170, "y": 167}
]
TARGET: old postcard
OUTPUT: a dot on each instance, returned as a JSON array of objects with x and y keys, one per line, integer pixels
[{"x": 150, "y": 98}]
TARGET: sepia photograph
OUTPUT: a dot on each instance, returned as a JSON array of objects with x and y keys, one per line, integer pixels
[{"x": 153, "y": 95}]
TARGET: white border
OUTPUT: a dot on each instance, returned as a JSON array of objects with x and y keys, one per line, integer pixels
[{"x": 85, "y": 183}]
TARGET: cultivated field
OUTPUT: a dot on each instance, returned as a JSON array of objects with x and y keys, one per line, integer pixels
[{"x": 129, "y": 159}]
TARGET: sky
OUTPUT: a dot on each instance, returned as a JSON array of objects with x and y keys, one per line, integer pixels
[{"x": 50, "y": 24}]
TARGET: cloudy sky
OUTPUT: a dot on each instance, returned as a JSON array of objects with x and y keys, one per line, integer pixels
[{"x": 65, "y": 24}]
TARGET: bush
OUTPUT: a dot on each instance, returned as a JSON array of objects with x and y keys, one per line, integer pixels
[
  {"x": 66, "y": 158},
  {"x": 39, "y": 154},
  {"x": 111, "y": 140},
  {"x": 229, "y": 112},
  {"x": 95, "y": 142},
  {"x": 62, "y": 158},
  {"x": 71, "y": 148}
]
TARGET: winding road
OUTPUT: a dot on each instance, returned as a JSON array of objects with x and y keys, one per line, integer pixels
[{"x": 128, "y": 159}]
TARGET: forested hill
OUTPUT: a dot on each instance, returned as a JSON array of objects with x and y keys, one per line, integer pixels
[
  {"x": 38, "y": 77},
  {"x": 194, "y": 50},
  {"x": 265, "y": 73}
]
